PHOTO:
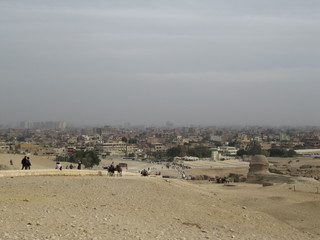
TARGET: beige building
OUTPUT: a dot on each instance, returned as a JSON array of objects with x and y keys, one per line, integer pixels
[
  {"x": 114, "y": 148},
  {"x": 4, "y": 148},
  {"x": 28, "y": 148},
  {"x": 159, "y": 147},
  {"x": 228, "y": 151}
]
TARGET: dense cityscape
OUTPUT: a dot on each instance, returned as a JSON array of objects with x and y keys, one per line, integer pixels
[{"x": 160, "y": 143}]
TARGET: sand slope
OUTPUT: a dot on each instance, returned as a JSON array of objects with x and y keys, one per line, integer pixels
[
  {"x": 135, "y": 207},
  {"x": 152, "y": 208},
  {"x": 37, "y": 162}
]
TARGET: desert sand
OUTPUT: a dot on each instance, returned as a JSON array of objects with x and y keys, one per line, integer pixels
[
  {"x": 136, "y": 207},
  {"x": 37, "y": 162}
]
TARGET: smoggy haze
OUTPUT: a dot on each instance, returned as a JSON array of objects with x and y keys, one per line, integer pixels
[{"x": 147, "y": 62}]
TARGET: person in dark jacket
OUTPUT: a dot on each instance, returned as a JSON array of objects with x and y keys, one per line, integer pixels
[
  {"x": 79, "y": 165},
  {"x": 24, "y": 163},
  {"x": 28, "y": 163}
]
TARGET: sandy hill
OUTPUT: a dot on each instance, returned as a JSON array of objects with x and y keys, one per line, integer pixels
[
  {"x": 154, "y": 208},
  {"x": 37, "y": 162},
  {"x": 151, "y": 207}
]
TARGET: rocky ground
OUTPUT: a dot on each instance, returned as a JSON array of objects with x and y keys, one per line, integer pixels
[{"x": 297, "y": 166}]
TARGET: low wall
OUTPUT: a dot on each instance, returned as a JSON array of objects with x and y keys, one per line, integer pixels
[{"x": 56, "y": 172}]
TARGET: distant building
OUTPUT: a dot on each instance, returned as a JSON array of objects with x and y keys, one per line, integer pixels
[
  {"x": 28, "y": 147},
  {"x": 312, "y": 142},
  {"x": 284, "y": 137},
  {"x": 4, "y": 148},
  {"x": 215, "y": 155},
  {"x": 159, "y": 147},
  {"x": 62, "y": 125},
  {"x": 216, "y": 138},
  {"x": 308, "y": 152},
  {"x": 44, "y": 125},
  {"x": 228, "y": 151},
  {"x": 113, "y": 148},
  {"x": 25, "y": 125}
]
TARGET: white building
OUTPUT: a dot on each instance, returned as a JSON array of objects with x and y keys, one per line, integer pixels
[{"x": 215, "y": 155}]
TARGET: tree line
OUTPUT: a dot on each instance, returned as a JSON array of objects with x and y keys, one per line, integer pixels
[
  {"x": 182, "y": 151},
  {"x": 88, "y": 158},
  {"x": 254, "y": 148}
]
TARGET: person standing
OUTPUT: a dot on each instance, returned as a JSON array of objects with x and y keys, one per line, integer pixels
[
  {"x": 28, "y": 163},
  {"x": 24, "y": 163},
  {"x": 79, "y": 165}
]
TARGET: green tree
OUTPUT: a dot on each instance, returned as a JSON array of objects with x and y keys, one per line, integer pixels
[
  {"x": 277, "y": 152},
  {"x": 178, "y": 151},
  {"x": 63, "y": 158},
  {"x": 299, "y": 147},
  {"x": 132, "y": 141},
  {"x": 159, "y": 155},
  {"x": 241, "y": 152},
  {"x": 88, "y": 158},
  {"x": 292, "y": 153},
  {"x": 280, "y": 152},
  {"x": 199, "y": 151}
]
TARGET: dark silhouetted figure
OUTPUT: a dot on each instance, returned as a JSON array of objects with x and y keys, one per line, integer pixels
[
  {"x": 24, "y": 163},
  {"x": 79, "y": 165},
  {"x": 111, "y": 169},
  {"x": 28, "y": 163},
  {"x": 144, "y": 172},
  {"x": 119, "y": 170}
]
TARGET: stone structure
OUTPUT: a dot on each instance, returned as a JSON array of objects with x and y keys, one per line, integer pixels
[
  {"x": 259, "y": 167},
  {"x": 259, "y": 172}
]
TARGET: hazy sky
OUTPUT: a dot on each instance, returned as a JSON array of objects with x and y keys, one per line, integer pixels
[{"x": 147, "y": 62}]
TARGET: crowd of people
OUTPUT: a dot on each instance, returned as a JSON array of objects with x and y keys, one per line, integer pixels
[
  {"x": 59, "y": 166},
  {"x": 26, "y": 164},
  {"x": 222, "y": 179}
]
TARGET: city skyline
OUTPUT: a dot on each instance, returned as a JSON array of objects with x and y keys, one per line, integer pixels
[
  {"x": 61, "y": 124},
  {"x": 148, "y": 62}
]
